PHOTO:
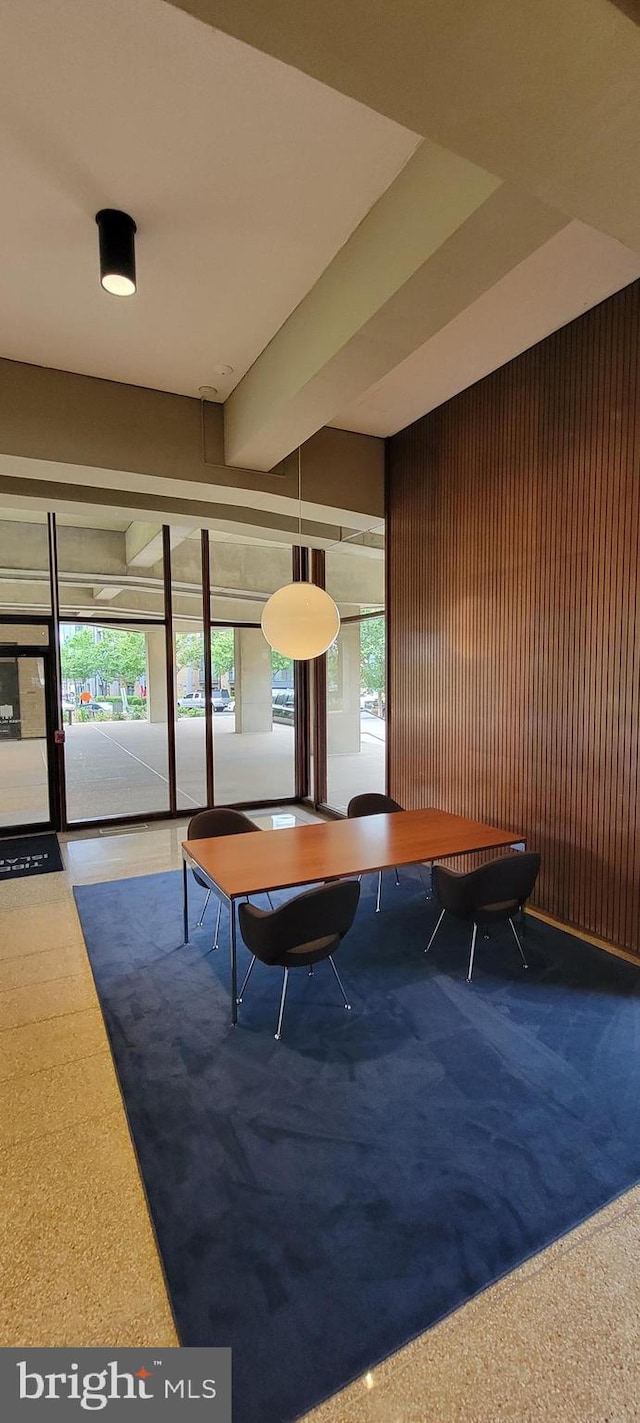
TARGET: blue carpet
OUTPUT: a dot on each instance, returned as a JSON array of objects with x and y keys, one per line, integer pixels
[{"x": 320, "y": 1201}]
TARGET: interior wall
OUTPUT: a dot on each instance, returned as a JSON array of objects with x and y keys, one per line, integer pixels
[{"x": 514, "y": 612}]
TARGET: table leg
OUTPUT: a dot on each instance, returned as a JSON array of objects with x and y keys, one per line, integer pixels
[
  {"x": 185, "y": 901},
  {"x": 234, "y": 964}
]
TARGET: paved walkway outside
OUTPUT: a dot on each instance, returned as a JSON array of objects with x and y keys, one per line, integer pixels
[
  {"x": 24, "y": 788},
  {"x": 120, "y": 768}
]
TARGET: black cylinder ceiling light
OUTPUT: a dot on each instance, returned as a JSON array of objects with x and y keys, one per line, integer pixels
[{"x": 116, "y": 232}]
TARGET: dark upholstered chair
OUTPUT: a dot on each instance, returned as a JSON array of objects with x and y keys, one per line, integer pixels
[
  {"x": 301, "y": 933},
  {"x": 492, "y": 894},
  {"x": 206, "y": 825},
  {"x": 373, "y": 803}
]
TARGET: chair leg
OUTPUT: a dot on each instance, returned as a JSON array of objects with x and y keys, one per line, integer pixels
[
  {"x": 282, "y": 1003},
  {"x": 379, "y": 891},
  {"x": 310, "y": 970},
  {"x": 215, "y": 941},
  {"x": 473, "y": 949},
  {"x": 515, "y": 935},
  {"x": 270, "y": 900},
  {"x": 246, "y": 979},
  {"x": 397, "y": 877},
  {"x": 428, "y": 893},
  {"x": 435, "y": 931},
  {"x": 340, "y": 984},
  {"x": 205, "y": 906}
]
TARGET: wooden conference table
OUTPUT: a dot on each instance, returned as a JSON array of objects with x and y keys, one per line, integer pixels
[{"x": 235, "y": 866}]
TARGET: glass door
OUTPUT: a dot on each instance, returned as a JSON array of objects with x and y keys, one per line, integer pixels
[{"x": 26, "y": 787}]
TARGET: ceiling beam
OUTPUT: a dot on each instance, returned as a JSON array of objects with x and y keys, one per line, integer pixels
[
  {"x": 440, "y": 237},
  {"x": 287, "y": 395},
  {"x": 546, "y": 95},
  {"x": 143, "y": 542}
]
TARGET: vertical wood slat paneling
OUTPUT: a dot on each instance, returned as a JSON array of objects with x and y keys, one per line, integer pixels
[{"x": 513, "y": 538}]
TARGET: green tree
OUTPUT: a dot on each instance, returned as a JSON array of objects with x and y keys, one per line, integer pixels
[
  {"x": 222, "y": 651},
  {"x": 372, "y": 658},
  {"x": 280, "y": 663},
  {"x": 80, "y": 656},
  {"x": 189, "y": 649},
  {"x": 122, "y": 658}
]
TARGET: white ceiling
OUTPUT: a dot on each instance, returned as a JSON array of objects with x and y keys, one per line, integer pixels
[
  {"x": 577, "y": 268},
  {"x": 243, "y": 175},
  {"x": 351, "y": 270}
]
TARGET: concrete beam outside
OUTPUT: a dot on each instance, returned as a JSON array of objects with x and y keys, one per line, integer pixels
[
  {"x": 96, "y": 577},
  {"x": 68, "y": 439}
]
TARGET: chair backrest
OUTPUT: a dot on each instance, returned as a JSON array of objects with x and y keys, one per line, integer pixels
[
  {"x": 506, "y": 881},
  {"x": 325, "y": 913},
  {"x": 371, "y": 803},
  {"x": 208, "y": 823}
]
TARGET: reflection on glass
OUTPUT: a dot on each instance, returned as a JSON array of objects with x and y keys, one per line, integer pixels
[
  {"x": 24, "y": 781},
  {"x": 188, "y": 658},
  {"x": 356, "y": 708},
  {"x": 253, "y": 734},
  {"x": 24, "y": 560},
  {"x": 191, "y": 773},
  {"x": 114, "y": 699},
  {"x": 253, "y": 724},
  {"x": 109, "y": 566},
  {"x": 356, "y": 726},
  {"x": 24, "y": 634}
]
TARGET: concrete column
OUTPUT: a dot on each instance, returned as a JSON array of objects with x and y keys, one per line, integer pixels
[
  {"x": 343, "y": 712},
  {"x": 253, "y": 681},
  {"x": 156, "y": 675}
]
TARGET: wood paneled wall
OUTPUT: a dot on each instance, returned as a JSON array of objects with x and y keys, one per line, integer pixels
[{"x": 514, "y": 612}]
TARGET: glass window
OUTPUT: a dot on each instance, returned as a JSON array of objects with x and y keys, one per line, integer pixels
[
  {"x": 25, "y": 634},
  {"x": 188, "y": 666},
  {"x": 24, "y": 563},
  {"x": 254, "y": 718},
  {"x": 109, "y": 567},
  {"x": 253, "y": 733},
  {"x": 191, "y": 771},
  {"x": 24, "y": 770},
  {"x": 356, "y": 707},
  {"x": 114, "y": 698}
]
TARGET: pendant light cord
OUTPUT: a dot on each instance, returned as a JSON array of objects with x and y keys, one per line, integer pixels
[{"x": 300, "y": 499}]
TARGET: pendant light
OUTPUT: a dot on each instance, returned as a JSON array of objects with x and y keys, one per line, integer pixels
[
  {"x": 116, "y": 232},
  {"x": 300, "y": 620}
]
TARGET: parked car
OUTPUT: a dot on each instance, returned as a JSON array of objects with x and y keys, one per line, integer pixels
[
  {"x": 220, "y": 700},
  {"x": 192, "y": 699},
  {"x": 283, "y": 704},
  {"x": 373, "y": 702},
  {"x": 369, "y": 701},
  {"x": 104, "y": 708}
]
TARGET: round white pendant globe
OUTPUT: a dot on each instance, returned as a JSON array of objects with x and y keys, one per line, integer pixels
[{"x": 300, "y": 621}]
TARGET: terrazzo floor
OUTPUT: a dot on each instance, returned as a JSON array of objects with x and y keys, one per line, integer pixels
[{"x": 554, "y": 1342}]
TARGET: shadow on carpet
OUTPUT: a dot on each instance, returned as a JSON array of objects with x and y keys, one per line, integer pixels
[{"x": 320, "y": 1201}]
